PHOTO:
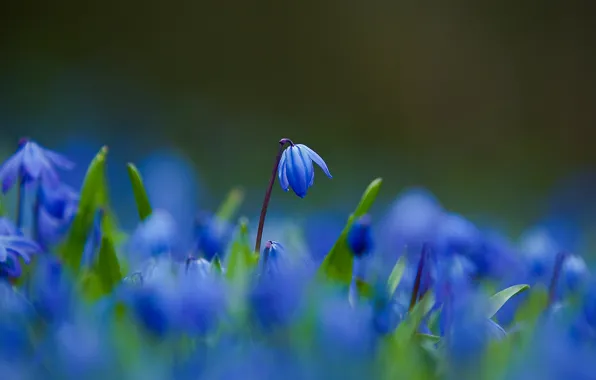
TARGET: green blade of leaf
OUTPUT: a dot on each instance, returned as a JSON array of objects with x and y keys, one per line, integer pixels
[
  {"x": 107, "y": 267},
  {"x": 428, "y": 338},
  {"x": 139, "y": 191},
  {"x": 408, "y": 328},
  {"x": 339, "y": 262},
  {"x": 396, "y": 274},
  {"x": 217, "y": 264},
  {"x": 231, "y": 205},
  {"x": 93, "y": 196},
  {"x": 499, "y": 299},
  {"x": 241, "y": 258}
]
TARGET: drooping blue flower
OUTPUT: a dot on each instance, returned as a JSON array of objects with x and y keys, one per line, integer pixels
[
  {"x": 198, "y": 268},
  {"x": 539, "y": 250},
  {"x": 212, "y": 235},
  {"x": 360, "y": 236},
  {"x": 13, "y": 247},
  {"x": 31, "y": 162},
  {"x": 270, "y": 259},
  {"x": 296, "y": 169}
]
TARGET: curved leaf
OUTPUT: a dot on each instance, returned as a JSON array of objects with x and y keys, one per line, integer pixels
[
  {"x": 231, "y": 205},
  {"x": 93, "y": 196},
  {"x": 396, "y": 274},
  {"x": 339, "y": 261},
  {"x": 499, "y": 299},
  {"x": 139, "y": 191}
]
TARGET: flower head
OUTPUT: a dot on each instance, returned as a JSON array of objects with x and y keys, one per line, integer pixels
[
  {"x": 32, "y": 162},
  {"x": 13, "y": 247},
  {"x": 212, "y": 235},
  {"x": 7, "y": 227},
  {"x": 359, "y": 237},
  {"x": 296, "y": 169}
]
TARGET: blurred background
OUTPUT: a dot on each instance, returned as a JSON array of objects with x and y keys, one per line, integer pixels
[{"x": 489, "y": 105}]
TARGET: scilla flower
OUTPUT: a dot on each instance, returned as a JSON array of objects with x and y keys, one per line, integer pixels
[
  {"x": 359, "y": 237},
  {"x": 296, "y": 169},
  {"x": 13, "y": 247},
  {"x": 31, "y": 162}
]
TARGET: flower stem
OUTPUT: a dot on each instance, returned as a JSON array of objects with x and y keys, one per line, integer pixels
[
  {"x": 20, "y": 202},
  {"x": 552, "y": 289},
  {"x": 418, "y": 279},
  {"x": 282, "y": 143}
]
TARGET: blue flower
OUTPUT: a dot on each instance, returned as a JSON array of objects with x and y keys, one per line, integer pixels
[
  {"x": 212, "y": 235},
  {"x": 296, "y": 169},
  {"x": 31, "y": 162},
  {"x": 456, "y": 235},
  {"x": 155, "y": 236},
  {"x": 51, "y": 289},
  {"x": 359, "y": 237},
  {"x": 59, "y": 201},
  {"x": 13, "y": 247},
  {"x": 272, "y": 254},
  {"x": 7, "y": 227}
]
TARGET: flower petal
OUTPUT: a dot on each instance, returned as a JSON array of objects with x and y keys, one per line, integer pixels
[
  {"x": 297, "y": 172},
  {"x": 3, "y": 254},
  {"x": 58, "y": 160},
  {"x": 281, "y": 172},
  {"x": 9, "y": 172},
  {"x": 316, "y": 158}
]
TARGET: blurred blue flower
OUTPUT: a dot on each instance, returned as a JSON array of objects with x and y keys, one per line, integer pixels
[
  {"x": 539, "y": 250},
  {"x": 51, "y": 290},
  {"x": 198, "y": 268},
  {"x": 13, "y": 248},
  {"x": 153, "y": 307},
  {"x": 157, "y": 235},
  {"x": 270, "y": 259},
  {"x": 456, "y": 235},
  {"x": 200, "y": 304},
  {"x": 277, "y": 300},
  {"x": 360, "y": 236},
  {"x": 468, "y": 330},
  {"x": 574, "y": 274},
  {"x": 212, "y": 235},
  {"x": 296, "y": 169},
  {"x": 412, "y": 221},
  {"x": 7, "y": 227},
  {"x": 59, "y": 201},
  {"x": 31, "y": 162}
]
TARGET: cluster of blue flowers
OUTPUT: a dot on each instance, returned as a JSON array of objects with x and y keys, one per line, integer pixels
[{"x": 422, "y": 293}]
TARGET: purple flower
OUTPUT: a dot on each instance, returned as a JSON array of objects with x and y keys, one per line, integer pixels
[
  {"x": 31, "y": 162},
  {"x": 13, "y": 247},
  {"x": 296, "y": 169}
]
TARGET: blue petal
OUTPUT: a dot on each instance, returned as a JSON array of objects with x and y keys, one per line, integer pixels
[
  {"x": 32, "y": 160},
  {"x": 3, "y": 254},
  {"x": 316, "y": 158},
  {"x": 297, "y": 172},
  {"x": 58, "y": 160},
  {"x": 281, "y": 172},
  {"x": 9, "y": 171}
]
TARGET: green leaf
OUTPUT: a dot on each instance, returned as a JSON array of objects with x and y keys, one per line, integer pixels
[
  {"x": 2, "y": 207},
  {"x": 499, "y": 299},
  {"x": 339, "y": 262},
  {"x": 428, "y": 338},
  {"x": 217, "y": 264},
  {"x": 231, "y": 205},
  {"x": 396, "y": 274},
  {"x": 139, "y": 191},
  {"x": 409, "y": 327},
  {"x": 93, "y": 196},
  {"x": 241, "y": 258},
  {"x": 107, "y": 267}
]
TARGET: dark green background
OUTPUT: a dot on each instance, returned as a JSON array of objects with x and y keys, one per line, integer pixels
[{"x": 488, "y": 104}]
